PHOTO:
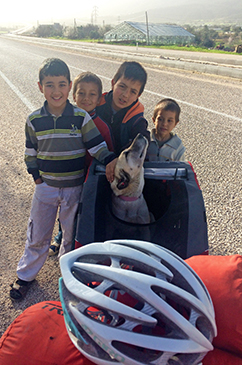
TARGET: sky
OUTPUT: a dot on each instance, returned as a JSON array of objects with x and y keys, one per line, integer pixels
[{"x": 33, "y": 11}]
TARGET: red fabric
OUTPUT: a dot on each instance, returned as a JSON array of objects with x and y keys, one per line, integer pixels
[
  {"x": 77, "y": 244},
  {"x": 105, "y": 133},
  {"x": 39, "y": 337},
  {"x": 220, "y": 357},
  {"x": 195, "y": 175},
  {"x": 103, "y": 100},
  {"x": 222, "y": 276}
]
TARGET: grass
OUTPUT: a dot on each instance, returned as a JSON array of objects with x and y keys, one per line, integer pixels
[
  {"x": 191, "y": 49},
  {"x": 173, "y": 47}
]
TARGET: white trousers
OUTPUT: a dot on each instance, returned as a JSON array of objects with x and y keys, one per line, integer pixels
[{"x": 45, "y": 204}]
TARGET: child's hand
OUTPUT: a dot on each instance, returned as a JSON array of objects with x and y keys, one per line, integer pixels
[
  {"x": 110, "y": 170},
  {"x": 38, "y": 181}
]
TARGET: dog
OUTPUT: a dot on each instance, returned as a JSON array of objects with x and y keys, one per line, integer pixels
[{"x": 128, "y": 203}]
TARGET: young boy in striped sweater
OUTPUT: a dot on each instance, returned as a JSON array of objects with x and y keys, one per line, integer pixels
[{"x": 57, "y": 138}]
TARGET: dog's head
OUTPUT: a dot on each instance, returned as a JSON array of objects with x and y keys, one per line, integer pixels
[{"x": 129, "y": 167}]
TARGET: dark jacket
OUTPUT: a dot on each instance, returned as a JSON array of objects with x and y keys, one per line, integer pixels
[{"x": 125, "y": 124}]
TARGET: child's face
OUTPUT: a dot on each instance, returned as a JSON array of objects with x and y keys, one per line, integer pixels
[
  {"x": 125, "y": 92},
  {"x": 164, "y": 122},
  {"x": 87, "y": 95},
  {"x": 56, "y": 90}
]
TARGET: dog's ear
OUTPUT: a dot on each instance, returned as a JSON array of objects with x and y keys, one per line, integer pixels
[{"x": 124, "y": 180}]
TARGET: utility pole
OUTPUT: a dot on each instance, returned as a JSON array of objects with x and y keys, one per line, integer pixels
[
  {"x": 147, "y": 27},
  {"x": 94, "y": 15}
]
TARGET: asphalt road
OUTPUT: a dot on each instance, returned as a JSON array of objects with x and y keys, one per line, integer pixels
[
  {"x": 229, "y": 64},
  {"x": 210, "y": 127}
]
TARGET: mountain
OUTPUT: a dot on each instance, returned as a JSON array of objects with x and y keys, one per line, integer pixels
[
  {"x": 184, "y": 12},
  {"x": 181, "y": 12}
]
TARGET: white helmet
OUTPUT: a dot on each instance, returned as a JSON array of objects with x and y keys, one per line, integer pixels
[{"x": 135, "y": 303}]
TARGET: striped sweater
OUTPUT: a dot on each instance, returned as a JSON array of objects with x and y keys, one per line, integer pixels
[{"x": 56, "y": 147}]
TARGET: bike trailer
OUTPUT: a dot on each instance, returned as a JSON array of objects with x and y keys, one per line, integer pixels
[{"x": 175, "y": 202}]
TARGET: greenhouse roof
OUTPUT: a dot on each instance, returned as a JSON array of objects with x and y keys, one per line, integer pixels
[{"x": 161, "y": 29}]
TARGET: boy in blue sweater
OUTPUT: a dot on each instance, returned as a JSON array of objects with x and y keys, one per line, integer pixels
[
  {"x": 57, "y": 138},
  {"x": 165, "y": 145}
]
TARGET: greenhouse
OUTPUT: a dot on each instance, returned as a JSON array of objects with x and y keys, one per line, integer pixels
[{"x": 153, "y": 33}]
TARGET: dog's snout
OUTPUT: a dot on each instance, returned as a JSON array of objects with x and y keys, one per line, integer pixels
[{"x": 124, "y": 180}]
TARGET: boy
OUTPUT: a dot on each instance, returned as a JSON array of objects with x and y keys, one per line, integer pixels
[
  {"x": 165, "y": 145},
  {"x": 121, "y": 109},
  {"x": 123, "y": 113},
  {"x": 57, "y": 136},
  {"x": 87, "y": 92}
]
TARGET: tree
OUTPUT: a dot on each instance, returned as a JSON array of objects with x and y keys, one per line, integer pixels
[
  {"x": 49, "y": 30},
  {"x": 71, "y": 33}
]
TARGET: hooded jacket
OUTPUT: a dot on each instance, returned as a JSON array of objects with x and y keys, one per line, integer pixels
[{"x": 125, "y": 124}]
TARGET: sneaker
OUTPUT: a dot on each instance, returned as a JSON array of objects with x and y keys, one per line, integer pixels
[
  {"x": 54, "y": 248},
  {"x": 19, "y": 289},
  {"x": 58, "y": 237}
]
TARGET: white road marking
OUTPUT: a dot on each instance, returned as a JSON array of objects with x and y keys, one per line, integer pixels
[
  {"x": 197, "y": 106},
  {"x": 26, "y": 102}
]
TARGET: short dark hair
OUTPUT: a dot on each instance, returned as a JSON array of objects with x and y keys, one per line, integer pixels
[
  {"x": 134, "y": 71},
  {"x": 167, "y": 104},
  {"x": 88, "y": 77},
  {"x": 54, "y": 67}
]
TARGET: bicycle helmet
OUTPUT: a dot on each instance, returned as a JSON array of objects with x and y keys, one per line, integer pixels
[{"x": 133, "y": 302}]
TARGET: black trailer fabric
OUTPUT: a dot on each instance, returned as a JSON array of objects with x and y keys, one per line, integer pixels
[{"x": 174, "y": 200}]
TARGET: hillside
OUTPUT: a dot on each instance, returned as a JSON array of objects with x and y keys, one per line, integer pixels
[{"x": 196, "y": 12}]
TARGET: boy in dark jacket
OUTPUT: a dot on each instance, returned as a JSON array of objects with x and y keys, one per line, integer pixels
[{"x": 121, "y": 109}]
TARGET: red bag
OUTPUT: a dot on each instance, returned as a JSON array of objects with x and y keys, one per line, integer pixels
[
  {"x": 39, "y": 337},
  {"x": 220, "y": 357},
  {"x": 222, "y": 276}
]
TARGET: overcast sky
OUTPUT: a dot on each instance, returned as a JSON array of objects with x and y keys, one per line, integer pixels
[
  {"x": 24, "y": 11},
  {"x": 113, "y": 12}
]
